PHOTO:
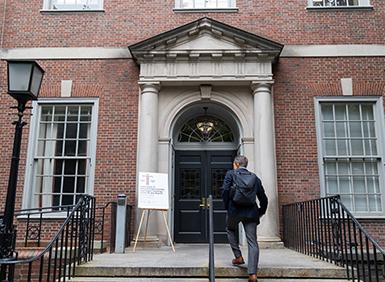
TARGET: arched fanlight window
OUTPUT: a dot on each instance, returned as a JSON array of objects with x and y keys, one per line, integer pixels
[{"x": 205, "y": 129}]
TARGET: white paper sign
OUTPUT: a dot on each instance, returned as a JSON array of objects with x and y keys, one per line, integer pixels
[{"x": 153, "y": 191}]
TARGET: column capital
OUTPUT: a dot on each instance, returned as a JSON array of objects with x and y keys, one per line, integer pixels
[
  {"x": 150, "y": 86},
  {"x": 261, "y": 86}
]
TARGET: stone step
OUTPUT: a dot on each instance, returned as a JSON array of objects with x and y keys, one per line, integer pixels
[
  {"x": 191, "y": 261},
  {"x": 225, "y": 272},
  {"x": 117, "y": 279}
]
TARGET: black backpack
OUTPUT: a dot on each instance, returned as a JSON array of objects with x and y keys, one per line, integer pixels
[{"x": 243, "y": 192}]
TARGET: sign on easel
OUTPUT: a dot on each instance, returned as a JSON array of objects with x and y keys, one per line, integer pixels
[
  {"x": 153, "y": 195},
  {"x": 153, "y": 191}
]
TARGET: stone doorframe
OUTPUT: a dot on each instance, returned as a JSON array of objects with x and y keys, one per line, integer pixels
[{"x": 207, "y": 55}]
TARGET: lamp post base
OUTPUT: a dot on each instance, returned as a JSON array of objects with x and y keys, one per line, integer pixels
[{"x": 7, "y": 247}]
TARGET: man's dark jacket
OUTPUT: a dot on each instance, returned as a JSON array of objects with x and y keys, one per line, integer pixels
[{"x": 250, "y": 213}]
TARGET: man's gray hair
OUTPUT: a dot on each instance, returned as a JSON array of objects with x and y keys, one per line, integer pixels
[{"x": 241, "y": 160}]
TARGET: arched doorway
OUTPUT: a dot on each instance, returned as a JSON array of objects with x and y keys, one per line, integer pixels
[
  {"x": 207, "y": 61},
  {"x": 206, "y": 139}
]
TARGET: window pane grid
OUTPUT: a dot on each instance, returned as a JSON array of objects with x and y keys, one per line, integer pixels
[
  {"x": 351, "y": 163},
  {"x": 357, "y": 188},
  {"x": 347, "y": 131},
  {"x": 209, "y": 4},
  {"x": 62, "y": 157},
  {"x": 336, "y": 3},
  {"x": 192, "y": 130},
  {"x": 75, "y": 4}
]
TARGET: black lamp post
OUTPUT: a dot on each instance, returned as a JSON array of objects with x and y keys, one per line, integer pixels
[{"x": 24, "y": 81}]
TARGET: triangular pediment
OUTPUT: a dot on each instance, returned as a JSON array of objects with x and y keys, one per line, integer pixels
[
  {"x": 205, "y": 37},
  {"x": 204, "y": 41}
]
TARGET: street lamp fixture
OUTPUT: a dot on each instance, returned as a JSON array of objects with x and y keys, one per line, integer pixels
[{"x": 24, "y": 81}]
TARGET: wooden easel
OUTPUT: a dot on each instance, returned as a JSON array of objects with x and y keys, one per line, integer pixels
[{"x": 145, "y": 231}]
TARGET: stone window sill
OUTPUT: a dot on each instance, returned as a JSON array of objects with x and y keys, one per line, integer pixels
[
  {"x": 58, "y": 11},
  {"x": 54, "y": 215},
  {"x": 352, "y": 8},
  {"x": 205, "y": 10}
]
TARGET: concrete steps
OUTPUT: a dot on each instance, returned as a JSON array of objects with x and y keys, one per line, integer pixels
[
  {"x": 225, "y": 272},
  {"x": 190, "y": 263}
]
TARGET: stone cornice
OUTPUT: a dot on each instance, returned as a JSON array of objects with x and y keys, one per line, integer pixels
[
  {"x": 64, "y": 53},
  {"x": 102, "y": 53},
  {"x": 237, "y": 43},
  {"x": 203, "y": 55}
]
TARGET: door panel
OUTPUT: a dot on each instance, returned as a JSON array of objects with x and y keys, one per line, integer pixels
[
  {"x": 197, "y": 175},
  {"x": 189, "y": 184},
  {"x": 219, "y": 162}
]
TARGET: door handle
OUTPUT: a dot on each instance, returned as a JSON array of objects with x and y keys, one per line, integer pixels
[{"x": 203, "y": 203}]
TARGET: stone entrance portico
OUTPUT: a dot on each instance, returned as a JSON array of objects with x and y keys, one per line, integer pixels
[{"x": 208, "y": 62}]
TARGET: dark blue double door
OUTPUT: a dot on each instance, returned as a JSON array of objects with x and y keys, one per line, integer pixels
[{"x": 197, "y": 175}]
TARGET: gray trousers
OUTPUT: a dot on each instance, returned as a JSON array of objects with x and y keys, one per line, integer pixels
[{"x": 252, "y": 244}]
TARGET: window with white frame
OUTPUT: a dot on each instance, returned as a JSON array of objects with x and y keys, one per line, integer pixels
[
  {"x": 74, "y": 4},
  {"x": 61, "y": 153},
  {"x": 204, "y": 4},
  {"x": 351, "y": 155},
  {"x": 338, "y": 3}
]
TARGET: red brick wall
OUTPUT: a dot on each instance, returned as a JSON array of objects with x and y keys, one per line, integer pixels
[
  {"x": 297, "y": 82},
  {"x": 123, "y": 23},
  {"x": 1, "y": 19},
  {"x": 114, "y": 82},
  {"x": 127, "y": 22}
]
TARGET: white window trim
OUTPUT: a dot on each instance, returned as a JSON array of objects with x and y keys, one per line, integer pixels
[
  {"x": 231, "y": 8},
  {"x": 380, "y": 127},
  {"x": 28, "y": 179},
  {"x": 48, "y": 8},
  {"x": 362, "y": 4}
]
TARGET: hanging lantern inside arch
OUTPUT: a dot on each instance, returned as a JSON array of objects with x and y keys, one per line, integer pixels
[{"x": 205, "y": 124}]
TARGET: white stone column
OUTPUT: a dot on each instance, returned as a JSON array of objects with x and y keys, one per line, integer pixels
[
  {"x": 148, "y": 128},
  {"x": 265, "y": 159},
  {"x": 148, "y": 146}
]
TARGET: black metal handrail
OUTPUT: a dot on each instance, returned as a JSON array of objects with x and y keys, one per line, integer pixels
[
  {"x": 100, "y": 224},
  {"x": 33, "y": 219},
  {"x": 324, "y": 228},
  {"x": 211, "y": 240},
  {"x": 72, "y": 245},
  {"x": 33, "y": 231}
]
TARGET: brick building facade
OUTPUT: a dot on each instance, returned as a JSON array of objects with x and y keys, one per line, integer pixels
[{"x": 318, "y": 64}]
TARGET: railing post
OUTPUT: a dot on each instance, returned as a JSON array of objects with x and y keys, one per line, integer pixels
[
  {"x": 102, "y": 235},
  {"x": 211, "y": 240},
  {"x": 336, "y": 231},
  {"x": 383, "y": 263},
  {"x": 93, "y": 226},
  {"x": 112, "y": 226}
]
